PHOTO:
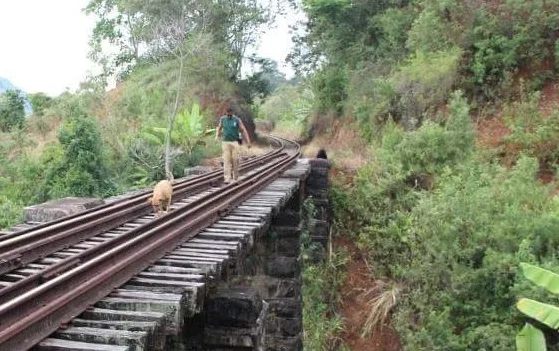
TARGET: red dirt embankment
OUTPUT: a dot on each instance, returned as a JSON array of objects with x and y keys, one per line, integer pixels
[
  {"x": 354, "y": 306},
  {"x": 491, "y": 132}
]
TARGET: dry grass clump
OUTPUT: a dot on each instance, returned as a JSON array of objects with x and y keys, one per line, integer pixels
[{"x": 384, "y": 299}]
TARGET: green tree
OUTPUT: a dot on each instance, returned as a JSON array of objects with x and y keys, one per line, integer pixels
[
  {"x": 12, "y": 112},
  {"x": 265, "y": 79},
  {"x": 339, "y": 31},
  {"x": 81, "y": 170},
  {"x": 238, "y": 23},
  {"x": 40, "y": 102},
  {"x": 353, "y": 48},
  {"x": 131, "y": 25},
  {"x": 118, "y": 24},
  {"x": 174, "y": 30}
]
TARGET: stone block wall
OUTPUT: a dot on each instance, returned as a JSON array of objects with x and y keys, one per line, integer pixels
[
  {"x": 260, "y": 306},
  {"x": 316, "y": 189}
]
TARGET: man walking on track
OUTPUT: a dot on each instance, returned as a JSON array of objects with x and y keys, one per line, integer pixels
[{"x": 228, "y": 129}]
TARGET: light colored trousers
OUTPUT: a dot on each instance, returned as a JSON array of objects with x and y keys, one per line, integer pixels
[{"x": 230, "y": 160}]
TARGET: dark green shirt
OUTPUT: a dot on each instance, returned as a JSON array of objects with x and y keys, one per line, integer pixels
[{"x": 230, "y": 125}]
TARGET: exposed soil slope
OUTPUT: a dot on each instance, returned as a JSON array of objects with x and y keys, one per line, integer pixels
[{"x": 354, "y": 306}]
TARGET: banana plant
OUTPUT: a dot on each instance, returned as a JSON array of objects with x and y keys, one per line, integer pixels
[
  {"x": 531, "y": 338},
  {"x": 188, "y": 130}
]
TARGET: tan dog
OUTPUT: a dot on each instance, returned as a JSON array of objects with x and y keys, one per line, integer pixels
[{"x": 161, "y": 199}]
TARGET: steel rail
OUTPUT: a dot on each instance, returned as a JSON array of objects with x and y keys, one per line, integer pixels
[
  {"x": 179, "y": 183},
  {"x": 36, "y": 279},
  {"x": 30, "y": 281},
  {"x": 29, "y": 318},
  {"x": 28, "y": 247},
  {"x": 141, "y": 194}
]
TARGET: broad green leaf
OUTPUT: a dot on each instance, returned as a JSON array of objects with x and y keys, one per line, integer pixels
[
  {"x": 152, "y": 138},
  {"x": 188, "y": 130},
  {"x": 530, "y": 339},
  {"x": 541, "y": 277},
  {"x": 542, "y": 312},
  {"x": 159, "y": 131}
]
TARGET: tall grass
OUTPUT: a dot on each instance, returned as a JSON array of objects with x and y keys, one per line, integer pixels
[{"x": 321, "y": 323}]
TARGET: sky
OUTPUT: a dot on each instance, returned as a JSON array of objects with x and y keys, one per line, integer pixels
[
  {"x": 276, "y": 42},
  {"x": 44, "y": 44}
]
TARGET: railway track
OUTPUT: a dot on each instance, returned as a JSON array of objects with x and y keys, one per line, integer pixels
[{"x": 52, "y": 272}]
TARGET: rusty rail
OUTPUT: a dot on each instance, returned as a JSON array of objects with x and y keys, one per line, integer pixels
[
  {"x": 37, "y": 311},
  {"x": 29, "y": 282},
  {"x": 34, "y": 243},
  {"x": 141, "y": 195}
]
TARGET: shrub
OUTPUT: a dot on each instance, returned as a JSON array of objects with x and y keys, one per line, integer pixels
[
  {"x": 432, "y": 147},
  {"x": 329, "y": 87},
  {"x": 320, "y": 327},
  {"x": 22, "y": 182},
  {"x": 372, "y": 100},
  {"x": 464, "y": 246},
  {"x": 40, "y": 102},
  {"x": 39, "y": 125},
  {"x": 82, "y": 170},
  {"x": 422, "y": 82},
  {"x": 430, "y": 33},
  {"x": 454, "y": 249},
  {"x": 393, "y": 25},
  {"x": 10, "y": 212},
  {"x": 531, "y": 132},
  {"x": 406, "y": 163},
  {"x": 494, "y": 55},
  {"x": 12, "y": 111}
]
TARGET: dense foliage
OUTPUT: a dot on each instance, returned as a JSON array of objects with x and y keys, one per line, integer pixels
[
  {"x": 375, "y": 59},
  {"x": 322, "y": 280},
  {"x": 81, "y": 170},
  {"x": 40, "y": 102},
  {"x": 12, "y": 111},
  {"x": 450, "y": 225},
  {"x": 445, "y": 221}
]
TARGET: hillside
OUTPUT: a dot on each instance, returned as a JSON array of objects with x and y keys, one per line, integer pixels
[{"x": 445, "y": 179}]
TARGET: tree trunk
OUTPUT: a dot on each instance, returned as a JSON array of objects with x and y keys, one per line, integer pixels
[{"x": 168, "y": 160}]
